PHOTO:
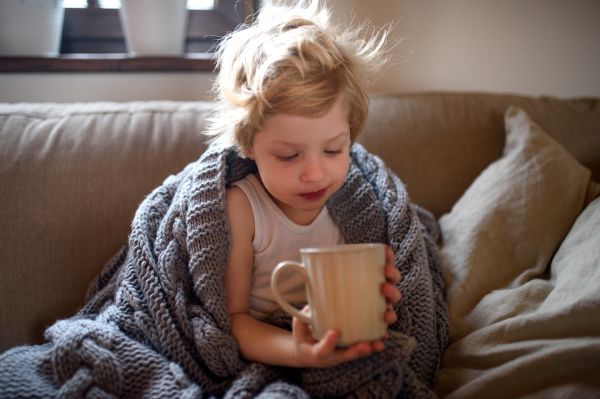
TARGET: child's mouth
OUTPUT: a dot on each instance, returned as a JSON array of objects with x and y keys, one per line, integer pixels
[{"x": 314, "y": 196}]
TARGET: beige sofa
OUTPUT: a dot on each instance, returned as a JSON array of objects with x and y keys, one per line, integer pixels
[{"x": 510, "y": 177}]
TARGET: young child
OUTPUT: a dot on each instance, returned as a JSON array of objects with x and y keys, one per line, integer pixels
[
  {"x": 176, "y": 310},
  {"x": 291, "y": 99}
]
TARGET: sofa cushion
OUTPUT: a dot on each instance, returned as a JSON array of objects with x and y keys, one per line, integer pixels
[
  {"x": 438, "y": 143},
  {"x": 512, "y": 317},
  {"x": 72, "y": 177}
]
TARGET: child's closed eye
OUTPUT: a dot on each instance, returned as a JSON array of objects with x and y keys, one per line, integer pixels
[
  {"x": 334, "y": 152},
  {"x": 287, "y": 157}
]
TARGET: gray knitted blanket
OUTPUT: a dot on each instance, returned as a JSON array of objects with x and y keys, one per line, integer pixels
[{"x": 155, "y": 324}]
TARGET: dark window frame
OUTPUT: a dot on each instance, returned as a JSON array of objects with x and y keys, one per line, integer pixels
[
  {"x": 94, "y": 30},
  {"x": 93, "y": 41}
]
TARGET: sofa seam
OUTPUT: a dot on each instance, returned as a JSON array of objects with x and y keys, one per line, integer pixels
[{"x": 42, "y": 116}]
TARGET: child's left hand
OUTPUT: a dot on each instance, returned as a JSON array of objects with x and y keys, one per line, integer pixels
[
  {"x": 391, "y": 293},
  {"x": 389, "y": 289}
]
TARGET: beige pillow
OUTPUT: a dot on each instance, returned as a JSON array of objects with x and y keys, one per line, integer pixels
[
  {"x": 497, "y": 243},
  {"x": 542, "y": 338}
]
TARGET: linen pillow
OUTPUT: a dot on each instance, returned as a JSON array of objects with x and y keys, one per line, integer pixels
[
  {"x": 543, "y": 338},
  {"x": 497, "y": 243}
]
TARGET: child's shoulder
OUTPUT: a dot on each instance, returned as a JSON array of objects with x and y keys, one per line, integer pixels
[
  {"x": 235, "y": 197},
  {"x": 239, "y": 213}
]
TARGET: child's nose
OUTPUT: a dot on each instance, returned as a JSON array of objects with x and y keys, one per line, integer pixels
[{"x": 313, "y": 171}]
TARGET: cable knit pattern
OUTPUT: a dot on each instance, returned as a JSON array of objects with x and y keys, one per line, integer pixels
[{"x": 155, "y": 323}]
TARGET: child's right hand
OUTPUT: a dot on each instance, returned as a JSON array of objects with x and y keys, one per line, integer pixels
[{"x": 324, "y": 353}]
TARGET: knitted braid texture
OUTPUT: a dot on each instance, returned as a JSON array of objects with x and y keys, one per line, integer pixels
[{"x": 155, "y": 323}]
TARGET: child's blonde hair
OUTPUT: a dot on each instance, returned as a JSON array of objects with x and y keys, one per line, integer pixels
[{"x": 292, "y": 60}]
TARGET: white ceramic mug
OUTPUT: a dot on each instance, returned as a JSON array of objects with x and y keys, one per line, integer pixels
[{"x": 343, "y": 284}]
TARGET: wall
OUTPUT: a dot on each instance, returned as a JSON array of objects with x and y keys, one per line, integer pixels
[
  {"x": 532, "y": 47},
  {"x": 521, "y": 46},
  {"x": 75, "y": 87}
]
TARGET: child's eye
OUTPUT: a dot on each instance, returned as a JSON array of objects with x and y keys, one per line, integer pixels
[
  {"x": 333, "y": 152},
  {"x": 287, "y": 158}
]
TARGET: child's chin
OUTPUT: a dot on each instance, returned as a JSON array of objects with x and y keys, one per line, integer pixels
[{"x": 313, "y": 206}]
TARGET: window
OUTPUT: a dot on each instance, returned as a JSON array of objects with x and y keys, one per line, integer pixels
[
  {"x": 93, "y": 41},
  {"x": 191, "y": 4},
  {"x": 93, "y": 26}
]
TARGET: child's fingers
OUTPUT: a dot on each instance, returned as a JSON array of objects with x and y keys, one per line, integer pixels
[
  {"x": 392, "y": 274},
  {"x": 355, "y": 351},
  {"x": 329, "y": 354},
  {"x": 301, "y": 329},
  {"x": 391, "y": 293},
  {"x": 389, "y": 256},
  {"x": 326, "y": 345},
  {"x": 390, "y": 316},
  {"x": 377, "y": 346}
]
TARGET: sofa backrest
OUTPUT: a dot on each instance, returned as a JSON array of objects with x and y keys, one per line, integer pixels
[
  {"x": 72, "y": 176},
  {"x": 438, "y": 143}
]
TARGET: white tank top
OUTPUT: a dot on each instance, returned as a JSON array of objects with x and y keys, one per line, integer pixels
[{"x": 277, "y": 238}]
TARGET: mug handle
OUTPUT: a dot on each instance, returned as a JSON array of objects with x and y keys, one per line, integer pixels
[{"x": 285, "y": 305}]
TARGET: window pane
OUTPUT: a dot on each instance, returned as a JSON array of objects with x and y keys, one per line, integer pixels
[
  {"x": 109, "y": 3},
  {"x": 75, "y": 3},
  {"x": 191, "y": 5},
  {"x": 200, "y": 4}
]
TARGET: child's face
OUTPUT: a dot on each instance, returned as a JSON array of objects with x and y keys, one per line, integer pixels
[{"x": 302, "y": 161}]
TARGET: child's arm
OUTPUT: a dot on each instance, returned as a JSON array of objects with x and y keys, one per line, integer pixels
[
  {"x": 259, "y": 341},
  {"x": 262, "y": 342}
]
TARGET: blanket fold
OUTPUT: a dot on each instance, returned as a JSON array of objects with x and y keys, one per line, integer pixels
[{"x": 155, "y": 323}]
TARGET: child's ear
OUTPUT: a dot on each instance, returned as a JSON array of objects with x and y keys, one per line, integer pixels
[{"x": 249, "y": 153}]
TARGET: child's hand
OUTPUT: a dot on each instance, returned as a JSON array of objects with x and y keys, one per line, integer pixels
[
  {"x": 392, "y": 295},
  {"x": 389, "y": 289},
  {"x": 312, "y": 353},
  {"x": 324, "y": 353}
]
